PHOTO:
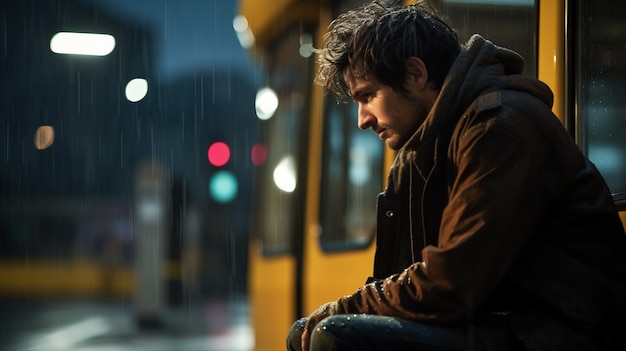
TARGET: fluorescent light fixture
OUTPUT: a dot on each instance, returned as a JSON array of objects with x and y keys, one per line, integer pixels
[{"x": 73, "y": 43}]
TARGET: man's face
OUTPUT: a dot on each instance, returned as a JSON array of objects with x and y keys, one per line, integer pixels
[{"x": 394, "y": 117}]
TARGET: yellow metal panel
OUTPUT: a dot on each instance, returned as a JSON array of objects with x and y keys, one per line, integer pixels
[
  {"x": 390, "y": 156},
  {"x": 334, "y": 274},
  {"x": 551, "y": 65},
  {"x": 272, "y": 299},
  {"x": 68, "y": 279},
  {"x": 260, "y": 14},
  {"x": 121, "y": 282},
  {"x": 268, "y": 19},
  {"x": 47, "y": 278},
  {"x": 311, "y": 232}
]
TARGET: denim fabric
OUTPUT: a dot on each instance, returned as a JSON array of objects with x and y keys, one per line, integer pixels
[{"x": 364, "y": 332}]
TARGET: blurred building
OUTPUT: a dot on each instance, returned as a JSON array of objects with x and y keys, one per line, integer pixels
[{"x": 73, "y": 140}]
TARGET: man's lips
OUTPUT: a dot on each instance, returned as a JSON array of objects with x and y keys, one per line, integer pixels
[{"x": 380, "y": 133}]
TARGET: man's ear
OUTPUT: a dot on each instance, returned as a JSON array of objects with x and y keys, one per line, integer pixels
[{"x": 416, "y": 73}]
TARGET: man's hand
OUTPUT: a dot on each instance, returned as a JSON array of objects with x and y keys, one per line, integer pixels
[{"x": 322, "y": 312}]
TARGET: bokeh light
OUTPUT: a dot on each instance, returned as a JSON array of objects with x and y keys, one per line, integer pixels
[
  {"x": 136, "y": 89},
  {"x": 258, "y": 154},
  {"x": 44, "y": 137},
  {"x": 243, "y": 31},
  {"x": 218, "y": 154},
  {"x": 223, "y": 186},
  {"x": 266, "y": 103},
  {"x": 285, "y": 174}
]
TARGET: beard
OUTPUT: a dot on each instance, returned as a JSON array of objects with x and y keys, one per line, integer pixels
[
  {"x": 403, "y": 134},
  {"x": 395, "y": 143}
]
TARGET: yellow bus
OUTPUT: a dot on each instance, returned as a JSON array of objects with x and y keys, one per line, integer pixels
[{"x": 312, "y": 237}]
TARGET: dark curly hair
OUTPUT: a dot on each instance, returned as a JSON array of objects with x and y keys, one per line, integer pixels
[{"x": 375, "y": 40}]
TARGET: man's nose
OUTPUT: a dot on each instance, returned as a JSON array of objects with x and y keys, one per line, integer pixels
[{"x": 365, "y": 118}]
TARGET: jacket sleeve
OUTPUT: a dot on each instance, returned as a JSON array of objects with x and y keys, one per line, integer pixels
[{"x": 497, "y": 198}]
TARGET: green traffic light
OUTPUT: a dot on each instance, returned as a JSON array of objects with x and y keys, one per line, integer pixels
[{"x": 223, "y": 186}]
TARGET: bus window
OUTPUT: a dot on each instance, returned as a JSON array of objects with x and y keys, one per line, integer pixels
[
  {"x": 512, "y": 24},
  {"x": 280, "y": 183},
  {"x": 351, "y": 179},
  {"x": 600, "y": 76},
  {"x": 352, "y": 162}
]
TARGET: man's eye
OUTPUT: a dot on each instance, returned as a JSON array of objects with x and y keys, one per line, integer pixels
[{"x": 363, "y": 97}]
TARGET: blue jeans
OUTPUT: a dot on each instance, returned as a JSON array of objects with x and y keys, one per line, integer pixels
[{"x": 370, "y": 332}]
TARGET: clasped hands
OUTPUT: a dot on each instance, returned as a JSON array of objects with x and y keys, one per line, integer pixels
[{"x": 313, "y": 319}]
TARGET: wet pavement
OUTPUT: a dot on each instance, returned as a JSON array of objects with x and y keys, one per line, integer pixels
[{"x": 112, "y": 326}]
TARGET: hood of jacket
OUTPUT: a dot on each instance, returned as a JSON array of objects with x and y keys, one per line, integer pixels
[{"x": 480, "y": 68}]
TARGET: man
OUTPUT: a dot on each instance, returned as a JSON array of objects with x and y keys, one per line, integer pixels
[{"x": 494, "y": 232}]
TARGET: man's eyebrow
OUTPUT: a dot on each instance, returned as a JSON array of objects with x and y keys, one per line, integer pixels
[{"x": 358, "y": 91}]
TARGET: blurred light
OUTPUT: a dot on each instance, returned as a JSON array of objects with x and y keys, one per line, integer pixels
[
  {"x": 44, "y": 137},
  {"x": 244, "y": 34},
  {"x": 218, "y": 154},
  {"x": 236, "y": 338},
  {"x": 136, "y": 89},
  {"x": 306, "y": 45},
  {"x": 306, "y": 50},
  {"x": 240, "y": 23},
  {"x": 359, "y": 166},
  {"x": 285, "y": 175},
  {"x": 73, "y": 43},
  {"x": 149, "y": 209},
  {"x": 223, "y": 187},
  {"x": 259, "y": 154},
  {"x": 266, "y": 103},
  {"x": 70, "y": 336}
]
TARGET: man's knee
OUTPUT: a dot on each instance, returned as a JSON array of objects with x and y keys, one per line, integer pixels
[
  {"x": 323, "y": 336},
  {"x": 295, "y": 334},
  {"x": 327, "y": 334}
]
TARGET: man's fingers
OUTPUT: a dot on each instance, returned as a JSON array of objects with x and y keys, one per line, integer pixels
[{"x": 304, "y": 340}]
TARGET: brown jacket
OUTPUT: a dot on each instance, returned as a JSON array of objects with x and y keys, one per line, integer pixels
[{"x": 492, "y": 209}]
